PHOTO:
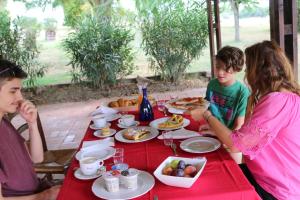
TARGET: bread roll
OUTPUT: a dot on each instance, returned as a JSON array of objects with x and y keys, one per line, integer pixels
[
  {"x": 121, "y": 102},
  {"x": 126, "y": 103},
  {"x": 113, "y": 104}
]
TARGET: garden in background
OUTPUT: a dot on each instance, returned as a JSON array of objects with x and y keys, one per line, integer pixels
[{"x": 102, "y": 43}]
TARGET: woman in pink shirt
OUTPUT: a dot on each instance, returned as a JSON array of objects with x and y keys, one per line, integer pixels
[{"x": 269, "y": 138}]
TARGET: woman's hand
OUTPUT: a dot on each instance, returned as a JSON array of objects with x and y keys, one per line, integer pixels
[{"x": 28, "y": 111}]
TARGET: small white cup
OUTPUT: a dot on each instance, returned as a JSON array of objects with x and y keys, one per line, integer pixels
[
  {"x": 127, "y": 120},
  {"x": 130, "y": 180},
  {"x": 90, "y": 165},
  {"x": 99, "y": 121},
  {"x": 111, "y": 182}
]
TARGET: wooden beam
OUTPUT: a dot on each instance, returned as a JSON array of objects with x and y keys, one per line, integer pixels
[
  {"x": 283, "y": 22},
  {"x": 211, "y": 37}
]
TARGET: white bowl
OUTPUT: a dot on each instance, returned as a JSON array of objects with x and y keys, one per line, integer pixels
[{"x": 185, "y": 182}]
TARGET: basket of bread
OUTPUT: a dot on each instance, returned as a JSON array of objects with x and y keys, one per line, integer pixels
[{"x": 124, "y": 104}]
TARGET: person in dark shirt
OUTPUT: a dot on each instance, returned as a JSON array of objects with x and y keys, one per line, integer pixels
[{"x": 17, "y": 177}]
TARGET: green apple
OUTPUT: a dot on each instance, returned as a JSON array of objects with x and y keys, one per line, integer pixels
[{"x": 174, "y": 163}]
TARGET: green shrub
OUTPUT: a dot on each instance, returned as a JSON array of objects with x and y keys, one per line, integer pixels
[
  {"x": 254, "y": 12},
  {"x": 99, "y": 50},
  {"x": 173, "y": 36},
  {"x": 20, "y": 47}
]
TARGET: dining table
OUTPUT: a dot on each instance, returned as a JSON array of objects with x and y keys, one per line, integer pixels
[{"x": 221, "y": 177}]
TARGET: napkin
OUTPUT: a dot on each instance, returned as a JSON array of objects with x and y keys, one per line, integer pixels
[
  {"x": 104, "y": 110},
  {"x": 181, "y": 134},
  {"x": 97, "y": 145}
]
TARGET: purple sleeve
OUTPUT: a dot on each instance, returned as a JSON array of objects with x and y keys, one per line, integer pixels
[{"x": 262, "y": 127}]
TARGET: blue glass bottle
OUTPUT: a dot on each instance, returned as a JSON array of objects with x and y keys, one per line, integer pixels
[{"x": 146, "y": 113}]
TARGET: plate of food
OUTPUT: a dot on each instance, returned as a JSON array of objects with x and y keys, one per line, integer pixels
[
  {"x": 200, "y": 145},
  {"x": 170, "y": 123},
  {"x": 181, "y": 105},
  {"x": 136, "y": 134},
  {"x": 145, "y": 183},
  {"x": 105, "y": 132}
]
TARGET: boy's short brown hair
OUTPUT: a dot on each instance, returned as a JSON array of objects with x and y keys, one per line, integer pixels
[
  {"x": 232, "y": 57},
  {"x": 9, "y": 70}
]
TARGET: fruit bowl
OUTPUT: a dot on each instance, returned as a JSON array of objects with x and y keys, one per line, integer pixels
[{"x": 183, "y": 180}]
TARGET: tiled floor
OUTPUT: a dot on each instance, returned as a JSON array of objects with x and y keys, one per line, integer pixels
[{"x": 65, "y": 124}]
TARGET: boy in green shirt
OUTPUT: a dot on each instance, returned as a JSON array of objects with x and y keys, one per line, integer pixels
[{"x": 227, "y": 96}]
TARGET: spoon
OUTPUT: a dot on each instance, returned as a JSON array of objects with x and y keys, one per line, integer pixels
[{"x": 174, "y": 146}]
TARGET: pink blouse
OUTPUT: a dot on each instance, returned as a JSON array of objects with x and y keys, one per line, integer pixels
[{"x": 270, "y": 141}]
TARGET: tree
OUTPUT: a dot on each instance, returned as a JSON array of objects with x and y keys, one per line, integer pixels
[
  {"x": 235, "y": 4},
  {"x": 3, "y": 4},
  {"x": 19, "y": 46}
]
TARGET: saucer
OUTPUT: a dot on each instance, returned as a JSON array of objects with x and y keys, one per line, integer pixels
[
  {"x": 92, "y": 126},
  {"x": 78, "y": 174},
  {"x": 98, "y": 133},
  {"x": 136, "y": 123}
]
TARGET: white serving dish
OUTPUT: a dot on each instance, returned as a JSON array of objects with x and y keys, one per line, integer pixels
[{"x": 185, "y": 182}]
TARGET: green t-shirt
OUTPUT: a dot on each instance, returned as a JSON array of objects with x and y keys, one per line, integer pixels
[{"x": 227, "y": 102}]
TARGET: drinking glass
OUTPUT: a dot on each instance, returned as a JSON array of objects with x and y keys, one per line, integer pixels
[
  {"x": 119, "y": 156},
  {"x": 161, "y": 105},
  {"x": 168, "y": 138}
]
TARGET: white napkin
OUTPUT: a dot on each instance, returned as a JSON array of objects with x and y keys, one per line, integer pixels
[
  {"x": 104, "y": 110},
  {"x": 181, "y": 134},
  {"x": 97, "y": 145}
]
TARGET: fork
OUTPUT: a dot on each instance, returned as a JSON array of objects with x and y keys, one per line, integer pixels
[{"x": 174, "y": 146}]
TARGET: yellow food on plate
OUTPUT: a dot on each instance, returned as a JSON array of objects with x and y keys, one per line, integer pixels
[
  {"x": 175, "y": 121},
  {"x": 105, "y": 131},
  {"x": 132, "y": 134}
]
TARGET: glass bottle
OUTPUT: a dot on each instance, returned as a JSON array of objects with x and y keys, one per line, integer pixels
[
  {"x": 146, "y": 112},
  {"x": 140, "y": 97}
]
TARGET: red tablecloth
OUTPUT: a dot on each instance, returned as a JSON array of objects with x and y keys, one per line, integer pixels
[{"x": 220, "y": 179}]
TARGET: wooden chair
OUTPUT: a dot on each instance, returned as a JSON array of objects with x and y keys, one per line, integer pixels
[{"x": 55, "y": 161}]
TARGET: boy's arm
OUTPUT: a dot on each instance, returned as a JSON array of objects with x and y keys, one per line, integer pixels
[
  {"x": 238, "y": 122},
  {"x": 29, "y": 112}
]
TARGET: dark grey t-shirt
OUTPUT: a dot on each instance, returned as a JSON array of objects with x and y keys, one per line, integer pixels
[{"x": 17, "y": 174}]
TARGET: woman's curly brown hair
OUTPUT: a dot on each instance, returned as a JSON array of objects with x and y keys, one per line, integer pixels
[
  {"x": 232, "y": 57},
  {"x": 268, "y": 70}
]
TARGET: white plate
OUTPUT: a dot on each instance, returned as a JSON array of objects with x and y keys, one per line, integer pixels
[
  {"x": 175, "y": 111},
  {"x": 136, "y": 123},
  {"x": 92, "y": 126},
  {"x": 112, "y": 117},
  {"x": 153, "y": 134},
  {"x": 78, "y": 174},
  {"x": 98, "y": 133},
  {"x": 103, "y": 154},
  {"x": 155, "y": 123},
  {"x": 200, "y": 145},
  {"x": 145, "y": 183}
]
